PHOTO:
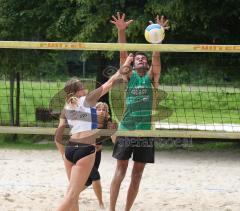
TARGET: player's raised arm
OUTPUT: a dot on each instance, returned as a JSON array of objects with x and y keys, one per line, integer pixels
[
  {"x": 126, "y": 69},
  {"x": 121, "y": 25},
  {"x": 155, "y": 69},
  {"x": 93, "y": 97}
]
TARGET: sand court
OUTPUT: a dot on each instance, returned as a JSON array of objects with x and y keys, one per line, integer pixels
[{"x": 179, "y": 180}]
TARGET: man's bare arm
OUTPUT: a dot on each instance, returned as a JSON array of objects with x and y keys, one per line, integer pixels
[
  {"x": 155, "y": 70},
  {"x": 121, "y": 25}
]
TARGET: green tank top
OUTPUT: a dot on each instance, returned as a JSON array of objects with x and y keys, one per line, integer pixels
[{"x": 138, "y": 103}]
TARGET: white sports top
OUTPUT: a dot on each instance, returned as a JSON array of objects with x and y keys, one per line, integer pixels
[{"x": 81, "y": 117}]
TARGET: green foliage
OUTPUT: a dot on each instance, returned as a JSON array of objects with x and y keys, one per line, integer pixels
[{"x": 212, "y": 21}]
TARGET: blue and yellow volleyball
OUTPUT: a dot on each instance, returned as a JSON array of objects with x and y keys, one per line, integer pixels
[{"x": 154, "y": 33}]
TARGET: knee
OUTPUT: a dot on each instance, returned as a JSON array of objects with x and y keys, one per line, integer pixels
[
  {"x": 136, "y": 178},
  {"x": 120, "y": 174},
  {"x": 120, "y": 171},
  {"x": 72, "y": 195},
  {"x": 118, "y": 177}
]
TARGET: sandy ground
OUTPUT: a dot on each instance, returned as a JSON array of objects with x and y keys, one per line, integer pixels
[{"x": 179, "y": 180}]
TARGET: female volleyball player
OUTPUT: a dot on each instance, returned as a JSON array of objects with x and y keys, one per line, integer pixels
[{"x": 79, "y": 155}]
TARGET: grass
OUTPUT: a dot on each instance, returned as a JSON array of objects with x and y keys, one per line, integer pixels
[
  {"x": 216, "y": 146},
  {"x": 195, "y": 107},
  {"x": 203, "y": 107},
  {"x": 196, "y": 145},
  {"x": 27, "y": 143},
  {"x": 177, "y": 106},
  {"x": 34, "y": 95}
]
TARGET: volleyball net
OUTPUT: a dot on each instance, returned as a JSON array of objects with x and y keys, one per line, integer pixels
[{"x": 198, "y": 96}]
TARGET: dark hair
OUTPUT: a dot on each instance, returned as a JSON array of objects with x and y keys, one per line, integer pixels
[{"x": 140, "y": 53}]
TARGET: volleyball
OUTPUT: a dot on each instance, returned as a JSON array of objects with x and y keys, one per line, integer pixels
[{"x": 154, "y": 33}]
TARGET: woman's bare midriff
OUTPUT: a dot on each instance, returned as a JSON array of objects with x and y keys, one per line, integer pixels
[{"x": 86, "y": 137}]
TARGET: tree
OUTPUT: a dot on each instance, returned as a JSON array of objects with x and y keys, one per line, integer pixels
[
  {"x": 20, "y": 20},
  {"x": 203, "y": 21}
]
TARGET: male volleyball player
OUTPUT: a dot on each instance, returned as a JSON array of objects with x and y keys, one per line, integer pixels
[{"x": 139, "y": 101}]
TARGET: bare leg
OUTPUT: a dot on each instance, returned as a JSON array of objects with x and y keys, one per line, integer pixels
[
  {"x": 78, "y": 177},
  {"x": 98, "y": 191},
  {"x": 118, "y": 177},
  {"x": 134, "y": 185},
  {"x": 68, "y": 167}
]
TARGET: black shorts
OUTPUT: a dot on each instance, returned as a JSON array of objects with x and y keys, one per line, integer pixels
[
  {"x": 75, "y": 151},
  {"x": 142, "y": 149},
  {"x": 94, "y": 175}
]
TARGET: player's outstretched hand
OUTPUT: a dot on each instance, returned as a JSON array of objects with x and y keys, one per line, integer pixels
[
  {"x": 120, "y": 22},
  {"x": 162, "y": 21}
]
